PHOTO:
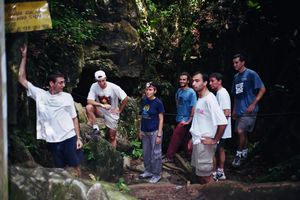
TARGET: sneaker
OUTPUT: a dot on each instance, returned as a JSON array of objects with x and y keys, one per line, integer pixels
[
  {"x": 154, "y": 179},
  {"x": 94, "y": 133},
  {"x": 168, "y": 160},
  {"x": 145, "y": 175},
  {"x": 237, "y": 161},
  {"x": 220, "y": 175}
]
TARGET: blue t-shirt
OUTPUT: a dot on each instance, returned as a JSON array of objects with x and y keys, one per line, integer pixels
[
  {"x": 186, "y": 100},
  {"x": 149, "y": 111},
  {"x": 245, "y": 88}
]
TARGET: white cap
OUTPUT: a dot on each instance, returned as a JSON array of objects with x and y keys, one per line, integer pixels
[{"x": 100, "y": 75}]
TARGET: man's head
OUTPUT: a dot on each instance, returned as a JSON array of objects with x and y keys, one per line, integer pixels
[
  {"x": 200, "y": 81},
  {"x": 184, "y": 79},
  {"x": 215, "y": 81},
  {"x": 239, "y": 62},
  {"x": 56, "y": 81},
  {"x": 100, "y": 77}
]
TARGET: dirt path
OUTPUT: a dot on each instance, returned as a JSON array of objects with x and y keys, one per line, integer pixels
[{"x": 239, "y": 185}]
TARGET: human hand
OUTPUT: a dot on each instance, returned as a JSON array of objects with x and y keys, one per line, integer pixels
[
  {"x": 158, "y": 140},
  {"x": 208, "y": 140},
  {"x": 79, "y": 144},
  {"x": 141, "y": 135},
  {"x": 24, "y": 50},
  {"x": 181, "y": 124},
  {"x": 115, "y": 111},
  {"x": 106, "y": 106},
  {"x": 250, "y": 108},
  {"x": 190, "y": 145}
]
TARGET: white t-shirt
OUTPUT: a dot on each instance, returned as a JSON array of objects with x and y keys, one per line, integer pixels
[
  {"x": 208, "y": 115},
  {"x": 109, "y": 95},
  {"x": 54, "y": 114},
  {"x": 224, "y": 102}
]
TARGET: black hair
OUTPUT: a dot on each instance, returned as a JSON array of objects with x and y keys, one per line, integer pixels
[
  {"x": 205, "y": 77},
  {"x": 153, "y": 84},
  {"x": 217, "y": 75},
  {"x": 240, "y": 56},
  {"x": 54, "y": 75}
]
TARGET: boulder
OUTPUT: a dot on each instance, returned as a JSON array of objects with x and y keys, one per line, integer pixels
[
  {"x": 56, "y": 184},
  {"x": 101, "y": 158}
]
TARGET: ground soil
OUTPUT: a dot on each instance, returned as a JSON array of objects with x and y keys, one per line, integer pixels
[{"x": 176, "y": 185}]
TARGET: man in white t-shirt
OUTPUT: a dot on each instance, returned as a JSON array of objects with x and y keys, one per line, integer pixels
[
  {"x": 223, "y": 97},
  {"x": 57, "y": 121},
  {"x": 103, "y": 100},
  {"x": 208, "y": 125}
]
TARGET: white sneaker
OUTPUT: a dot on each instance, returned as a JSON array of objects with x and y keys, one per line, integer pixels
[
  {"x": 154, "y": 179},
  {"x": 221, "y": 175},
  {"x": 145, "y": 175}
]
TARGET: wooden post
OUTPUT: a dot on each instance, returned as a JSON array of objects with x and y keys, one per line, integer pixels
[{"x": 3, "y": 110}]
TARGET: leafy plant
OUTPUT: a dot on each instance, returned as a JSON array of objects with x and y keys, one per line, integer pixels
[
  {"x": 137, "y": 150},
  {"x": 88, "y": 151},
  {"x": 121, "y": 185},
  {"x": 71, "y": 25}
]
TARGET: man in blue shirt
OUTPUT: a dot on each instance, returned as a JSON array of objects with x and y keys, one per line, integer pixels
[
  {"x": 186, "y": 99},
  {"x": 247, "y": 89}
]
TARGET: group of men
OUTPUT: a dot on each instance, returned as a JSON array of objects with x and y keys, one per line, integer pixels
[
  {"x": 201, "y": 122},
  {"x": 207, "y": 120}
]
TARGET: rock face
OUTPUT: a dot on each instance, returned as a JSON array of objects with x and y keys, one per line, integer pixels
[
  {"x": 57, "y": 184},
  {"x": 103, "y": 159}
]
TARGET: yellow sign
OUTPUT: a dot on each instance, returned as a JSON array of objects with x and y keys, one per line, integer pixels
[{"x": 27, "y": 16}]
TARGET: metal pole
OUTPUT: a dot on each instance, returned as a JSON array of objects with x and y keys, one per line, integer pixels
[{"x": 3, "y": 110}]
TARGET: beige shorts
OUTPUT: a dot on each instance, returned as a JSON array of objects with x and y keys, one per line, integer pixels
[
  {"x": 110, "y": 119},
  {"x": 202, "y": 159}
]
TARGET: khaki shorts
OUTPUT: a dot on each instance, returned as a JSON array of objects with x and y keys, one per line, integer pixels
[
  {"x": 202, "y": 158},
  {"x": 110, "y": 119}
]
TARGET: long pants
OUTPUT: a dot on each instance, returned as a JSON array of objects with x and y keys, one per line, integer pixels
[
  {"x": 180, "y": 137},
  {"x": 152, "y": 153}
]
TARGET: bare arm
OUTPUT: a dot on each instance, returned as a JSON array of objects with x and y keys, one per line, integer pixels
[
  {"x": 123, "y": 104},
  {"x": 227, "y": 113},
  {"x": 95, "y": 103},
  {"x": 22, "y": 70},
  {"x": 218, "y": 136},
  {"x": 260, "y": 94},
  {"x": 160, "y": 127},
  {"x": 77, "y": 130}
]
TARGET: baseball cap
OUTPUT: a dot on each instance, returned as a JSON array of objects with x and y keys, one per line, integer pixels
[{"x": 100, "y": 75}]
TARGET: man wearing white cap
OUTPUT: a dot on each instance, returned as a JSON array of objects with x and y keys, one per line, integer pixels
[{"x": 103, "y": 100}]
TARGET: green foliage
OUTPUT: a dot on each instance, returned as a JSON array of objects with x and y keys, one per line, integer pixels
[
  {"x": 88, "y": 152},
  {"x": 137, "y": 151},
  {"x": 253, "y": 4},
  {"x": 70, "y": 25},
  {"x": 122, "y": 186}
]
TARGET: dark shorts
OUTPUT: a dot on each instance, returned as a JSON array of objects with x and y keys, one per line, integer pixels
[
  {"x": 221, "y": 143},
  {"x": 65, "y": 153},
  {"x": 245, "y": 123}
]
